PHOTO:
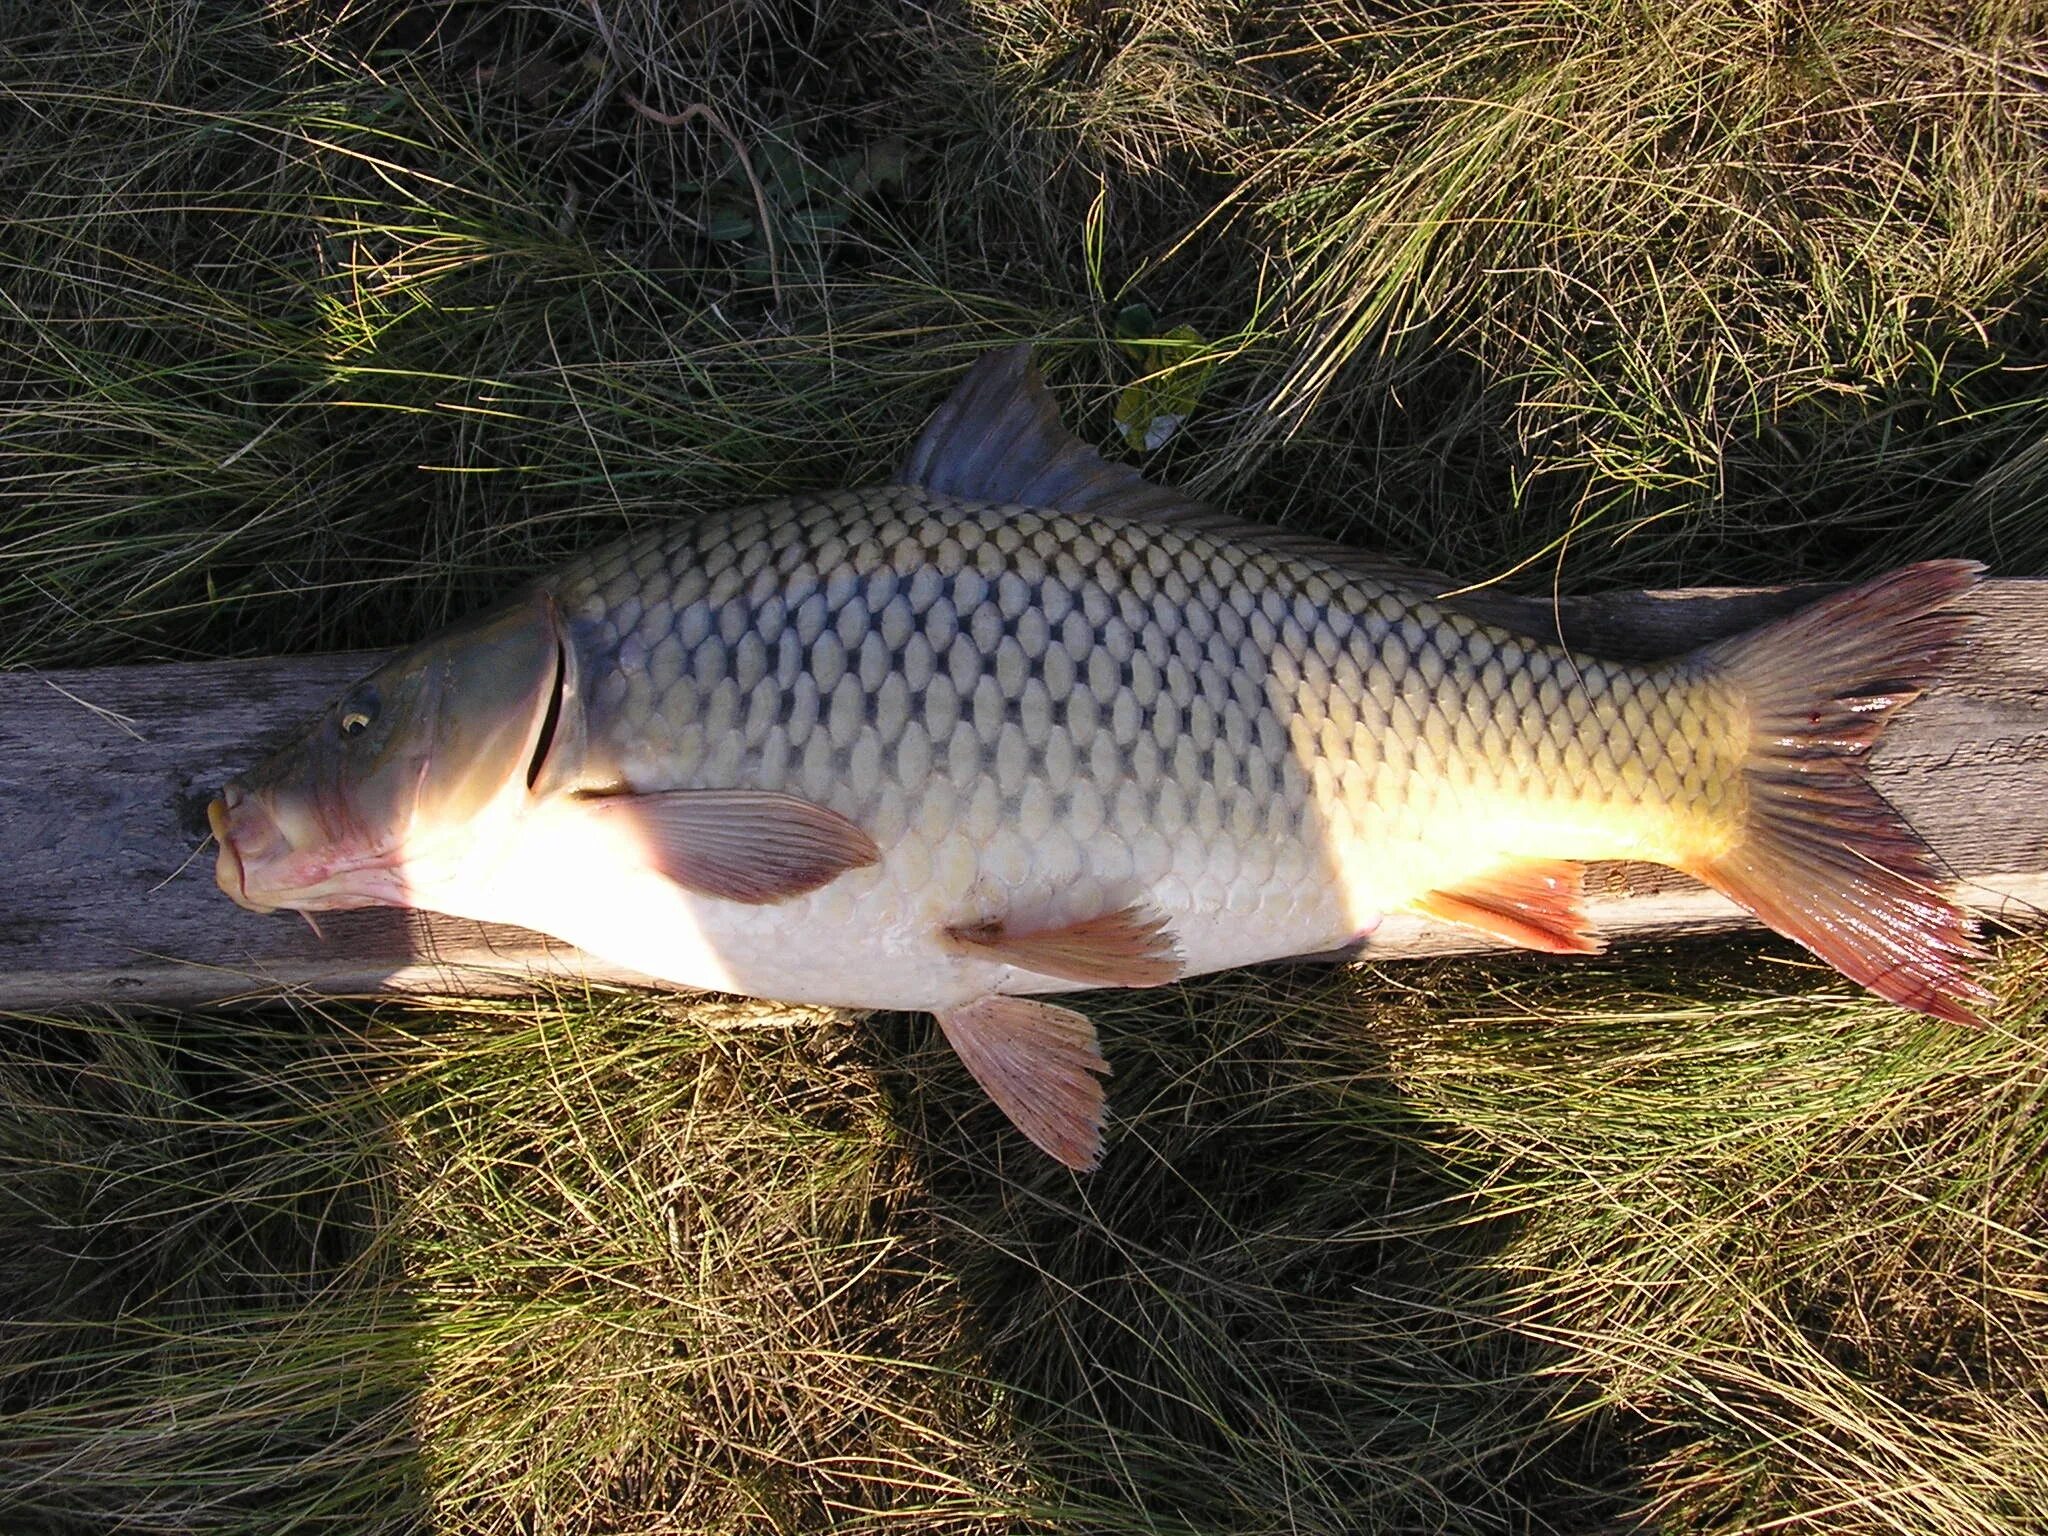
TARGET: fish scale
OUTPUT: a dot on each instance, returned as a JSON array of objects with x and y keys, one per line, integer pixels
[
  {"x": 1016, "y": 703},
  {"x": 1022, "y": 722}
]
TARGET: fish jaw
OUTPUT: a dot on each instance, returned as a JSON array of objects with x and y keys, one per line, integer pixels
[
  {"x": 228, "y": 870},
  {"x": 304, "y": 873}
]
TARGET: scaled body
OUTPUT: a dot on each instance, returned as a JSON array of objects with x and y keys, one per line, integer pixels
[
  {"x": 1039, "y": 718},
  {"x": 1022, "y": 723}
]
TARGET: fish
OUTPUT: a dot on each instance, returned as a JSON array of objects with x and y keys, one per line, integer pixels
[{"x": 1021, "y": 722}]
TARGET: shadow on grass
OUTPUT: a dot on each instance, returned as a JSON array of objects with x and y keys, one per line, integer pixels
[
  {"x": 198, "y": 1327},
  {"x": 1279, "y": 1303},
  {"x": 748, "y": 1270},
  {"x": 1352, "y": 1263}
]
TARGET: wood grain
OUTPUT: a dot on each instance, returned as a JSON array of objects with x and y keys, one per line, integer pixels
[{"x": 108, "y": 893}]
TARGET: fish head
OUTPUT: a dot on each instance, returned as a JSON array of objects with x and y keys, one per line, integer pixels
[{"x": 406, "y": 773}]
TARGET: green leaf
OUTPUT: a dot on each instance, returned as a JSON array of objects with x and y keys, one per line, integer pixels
[
  {"x": 782, "y": 170},
  {"x": 1152, "y": 408},
  {"x": 728, "y": 224},
  {"x": 814, "y": 222},
  {"x": 884, "y": 165}
]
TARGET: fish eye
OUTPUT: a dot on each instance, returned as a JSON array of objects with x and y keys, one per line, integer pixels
[{"x": 357, "y": 714}]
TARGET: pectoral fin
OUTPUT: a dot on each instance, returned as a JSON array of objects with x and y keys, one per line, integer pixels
[
  {"x": 744, "y": 845},
  {"x": 1040, "y": 1064},
  {"x": 1534, "y": 903},
  {"x": 1129, "y": 947}
]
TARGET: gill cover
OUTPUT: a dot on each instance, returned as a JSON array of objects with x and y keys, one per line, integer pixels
[
  {"x": 407, "y": 766},
  {"x": 488, "y": 693}
]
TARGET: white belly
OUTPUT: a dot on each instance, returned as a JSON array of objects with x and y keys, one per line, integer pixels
[{"x": 874, "y": 937}]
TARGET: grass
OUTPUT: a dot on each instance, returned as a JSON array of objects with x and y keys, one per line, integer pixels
[{"x": 321, "y": 323}]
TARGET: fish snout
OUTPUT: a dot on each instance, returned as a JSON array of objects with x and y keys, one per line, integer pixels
[{"x": 245, "y": 831}]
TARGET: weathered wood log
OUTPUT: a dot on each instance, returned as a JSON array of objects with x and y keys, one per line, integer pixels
[{"x": 108, "y": 897}]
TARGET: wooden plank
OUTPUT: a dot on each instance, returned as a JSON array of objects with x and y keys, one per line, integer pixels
[{"x": 108, "y": 893}]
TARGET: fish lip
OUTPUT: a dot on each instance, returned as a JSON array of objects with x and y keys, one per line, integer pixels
[
  {"x": 228, "y": 871},
  {"x": 249, "y": 830}
]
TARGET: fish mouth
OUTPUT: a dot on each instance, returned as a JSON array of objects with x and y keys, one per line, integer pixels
[
  {"x": 233, "y": 815},
  {"x": 275, "y": 841}
]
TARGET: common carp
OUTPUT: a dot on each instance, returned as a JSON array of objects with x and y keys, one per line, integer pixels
[{"x": 1022, "y": 722}]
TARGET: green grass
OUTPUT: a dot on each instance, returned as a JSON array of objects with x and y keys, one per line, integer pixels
[{"x": 321, "y": 323}]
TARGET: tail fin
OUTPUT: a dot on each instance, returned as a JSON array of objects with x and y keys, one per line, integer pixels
[{"x": 1825, "y": 860}]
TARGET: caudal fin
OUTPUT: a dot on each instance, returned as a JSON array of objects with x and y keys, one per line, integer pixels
[{"x": 1824, "y": 859}]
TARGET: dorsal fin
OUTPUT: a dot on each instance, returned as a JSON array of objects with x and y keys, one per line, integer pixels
[{"x": 999, "y": 438}]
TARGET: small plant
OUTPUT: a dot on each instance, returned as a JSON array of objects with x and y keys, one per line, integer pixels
[
  {"x": 1158, "y": 403},
  {"x": 772, "y": 205}
]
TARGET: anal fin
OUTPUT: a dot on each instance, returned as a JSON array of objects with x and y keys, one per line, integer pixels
[
  {"x": 1532, "y": 903},
  {"x": 1129, "y": 947},
  {"x": 1041, "y": 1065}
]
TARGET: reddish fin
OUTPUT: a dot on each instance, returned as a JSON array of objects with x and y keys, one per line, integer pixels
[
  {"x": 1536, "y": 903},
  {"x": 1825, "y": 860},
  {"x": 1040, "y": 1064},
  {"x": 745, "y": 845},
  {"x": 1129, "y": 947}
]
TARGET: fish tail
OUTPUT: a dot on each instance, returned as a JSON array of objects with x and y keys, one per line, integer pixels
[{"x": 1822, "y": 857}]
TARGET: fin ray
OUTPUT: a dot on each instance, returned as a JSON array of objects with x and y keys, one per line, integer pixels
[
  {"x": 751, "y": 846},
  {"x": 999, "y": 438},
  {"x": 1534, "y": 903},
  {"x": 1041, "y": 1065},
  {"x": 1129, "y": 947},
  {"x": 1824, "y": 859}
]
